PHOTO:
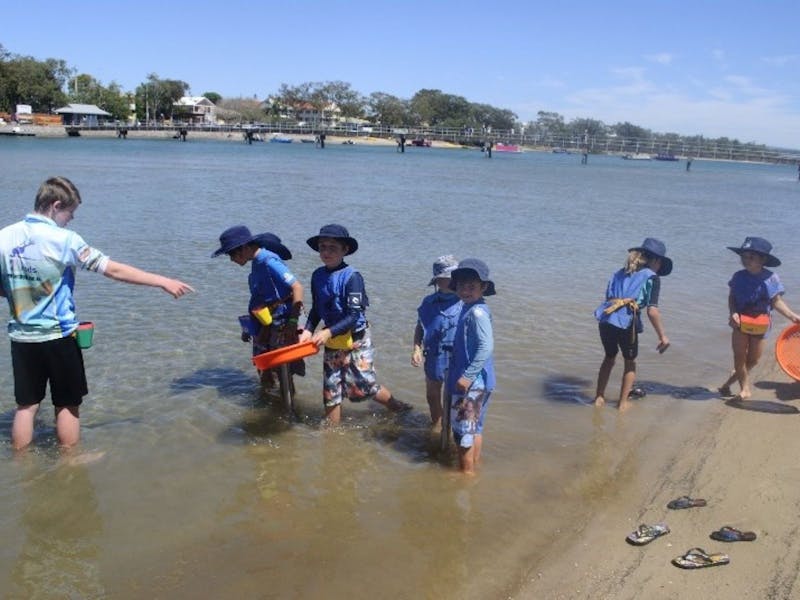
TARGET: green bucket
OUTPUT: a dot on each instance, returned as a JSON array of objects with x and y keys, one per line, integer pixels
[{"x": 84, "y": 334}]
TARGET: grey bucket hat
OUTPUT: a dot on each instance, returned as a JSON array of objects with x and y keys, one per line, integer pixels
[{"x": 443, "y": 267}]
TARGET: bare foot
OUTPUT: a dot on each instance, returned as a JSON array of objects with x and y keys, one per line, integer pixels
[
  {"x": 742, "y": 396},
  {"x": 599, "y": 401},
  {"x": 624, "y": 405},
  {"x": 397, "y": 406}
]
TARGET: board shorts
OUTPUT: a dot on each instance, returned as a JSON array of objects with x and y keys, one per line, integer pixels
[
  {"x": 350, "y": 373},
  {"x": 59, "y": 362},
  {"x": 467, "y": 414},
  {"x": 615, "y": 339}
]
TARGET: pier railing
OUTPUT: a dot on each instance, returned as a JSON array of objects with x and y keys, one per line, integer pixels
[{"x": 601, "y": 144}]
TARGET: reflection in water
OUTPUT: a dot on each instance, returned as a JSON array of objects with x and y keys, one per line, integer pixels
[
  {"x": 62, "y": 525},
  {"x": 566, "y": 388}
]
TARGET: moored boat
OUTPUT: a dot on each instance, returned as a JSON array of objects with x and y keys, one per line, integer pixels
[
  {"x": 666, "y": 156},
  {"x": 636, "y": 157},
  {"x": 501, "y": 147},
  {"x": 279, "y": 138}
]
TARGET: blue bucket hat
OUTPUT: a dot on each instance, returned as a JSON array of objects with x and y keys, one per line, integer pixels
[
  {"x": 233, "y": 238},
  {"x": 656, "y": 248},
  {"x": 759, "y": 245},
  {"x": 476, "y": 267},
  {"x": 443, "y": 267},
  {"x": 337, "y": 232},
  {"x": 272, "y": 242}
]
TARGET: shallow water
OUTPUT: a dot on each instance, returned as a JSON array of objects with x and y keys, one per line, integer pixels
[{"x": 205, "y": 488}]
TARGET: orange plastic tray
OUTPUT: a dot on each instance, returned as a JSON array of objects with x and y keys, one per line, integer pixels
[
  {"x": 274, "y": 358},
  {"x": 787, "y": 351}
]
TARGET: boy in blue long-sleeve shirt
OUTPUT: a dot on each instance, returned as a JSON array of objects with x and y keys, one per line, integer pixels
[
  {"x": 471, "y": 378},
  {"x": 340, "y": 300}
]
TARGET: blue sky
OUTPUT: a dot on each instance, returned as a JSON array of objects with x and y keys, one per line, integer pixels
[{"x": 712, "y": 68}]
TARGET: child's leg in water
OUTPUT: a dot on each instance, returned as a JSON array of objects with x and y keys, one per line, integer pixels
[{"x": 602, "y": 380}]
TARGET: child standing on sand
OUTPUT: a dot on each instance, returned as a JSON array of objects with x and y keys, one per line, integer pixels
[
  {"x": 433, "y": 335},
  {"x": 340, "y": 300},
  {"x": 634, "y": 287},
  {"x": 754, "y": 292},
  {"x": 471, "y": 379}
]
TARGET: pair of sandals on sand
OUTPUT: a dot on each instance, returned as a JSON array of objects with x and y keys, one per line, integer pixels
[{"x": 694, "y": 558}]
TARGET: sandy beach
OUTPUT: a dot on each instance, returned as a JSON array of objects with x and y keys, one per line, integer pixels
[{"x": 743, "y": 463}]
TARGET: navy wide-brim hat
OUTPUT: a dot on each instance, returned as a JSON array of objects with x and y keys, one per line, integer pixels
[
  {"x": 233, "y": 238},
  {"x": 475, "y": 267},
  {"x": 760, "y": 246},
  {"x": 272, "y": 242},
  {"x": 337, "y": 232},
  {"x": 656, "y": 248}
]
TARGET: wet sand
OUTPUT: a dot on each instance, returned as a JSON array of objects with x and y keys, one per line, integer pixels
[{"x": 744, "y": 463}]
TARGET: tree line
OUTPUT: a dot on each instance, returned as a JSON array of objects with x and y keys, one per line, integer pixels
[{"x": 50, "y": 84}]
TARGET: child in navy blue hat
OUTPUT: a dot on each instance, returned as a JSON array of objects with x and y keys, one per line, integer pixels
[
  {"x": 340, "y": 301},
  {"x": 471, "y": 379},
  {"x": 634, "y": 287},
  {"x": 754, "y": 292},
  {"x": 433, "y": 335},
  {"x": 276, "y": 295}
]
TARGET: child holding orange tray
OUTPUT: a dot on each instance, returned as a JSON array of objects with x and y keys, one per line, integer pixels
[{"x": 754, "y": 292}]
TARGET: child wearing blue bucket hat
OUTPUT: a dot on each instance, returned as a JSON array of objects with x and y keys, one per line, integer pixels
[
  {"x": 471, "y": 379},
  {"x": 340, "y": 301},
  {"x": 276, "y": 295},
  {"x": 754, "y": 292},
  {"x": 433, "y": 336},
  {"x": 633, "y": 288}
]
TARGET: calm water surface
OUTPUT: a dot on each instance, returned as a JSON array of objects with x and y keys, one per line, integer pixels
[{"x": 207, "y": 489}]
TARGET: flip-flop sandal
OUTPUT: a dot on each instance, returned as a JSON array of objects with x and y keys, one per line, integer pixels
[
  {"x": 637, "y": 392},
  {"x": 730, "y": 534},
  {"x": 646, "y": 534},
  {"x": 697, "y": 558},
  {"x": 686, "y": 502}
]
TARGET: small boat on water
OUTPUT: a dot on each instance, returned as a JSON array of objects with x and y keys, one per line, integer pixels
[
  {"x": 501, "y": 147},
  {"x": 666, "y": 156},
  {"x": 561, "y": 151},
  {"x": 637, "y": 157},
  {"x": 421, "y": 143},
  {"x": 279, "y": 138},
  {"x": 16, "y": 131}
]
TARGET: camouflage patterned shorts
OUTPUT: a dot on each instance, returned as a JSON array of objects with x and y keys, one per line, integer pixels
[{"x": 349, "y": 373}]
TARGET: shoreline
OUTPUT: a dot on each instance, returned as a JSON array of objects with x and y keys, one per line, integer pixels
[
  {"x": 742, "y": 462},
  {"x": 51, "y": 132}
]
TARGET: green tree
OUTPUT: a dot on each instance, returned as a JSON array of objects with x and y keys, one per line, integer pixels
[
  {"x": 155, "y": 97},
  {"x": 550, "y": 124},
  {"x": 629, "y": 130},
  {"x": 25, "y": 80},
  {"x": 388, "y": 110},
  {"x": 85, "y": 89},
  {"x": 213, "y": 96}
]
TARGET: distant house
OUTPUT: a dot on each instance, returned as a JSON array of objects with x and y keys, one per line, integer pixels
[
  {"x": 82, "y": 114},
  {"x": 194, "y": 109}
]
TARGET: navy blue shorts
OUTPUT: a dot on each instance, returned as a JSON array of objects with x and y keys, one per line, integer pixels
[
  {"x": 615, "y": 339},
  {"x": 59, "y": 362}
]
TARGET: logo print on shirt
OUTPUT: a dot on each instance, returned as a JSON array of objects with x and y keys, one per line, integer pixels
[{"x": 19, "y": 250}]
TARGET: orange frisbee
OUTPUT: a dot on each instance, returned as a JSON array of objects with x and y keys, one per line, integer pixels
[
  {"x": 787, "y": 351},
  {"x": 274, "y": 358}
]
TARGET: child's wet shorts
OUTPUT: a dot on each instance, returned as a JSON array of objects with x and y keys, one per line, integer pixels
[
  {"x": 58, "y": 361},
  {"x": 350, "y": 373},
  {"x": 467, "y": 414},
  {"x": 435, "y": 364},
  {"x": 615, "y": 339}
]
